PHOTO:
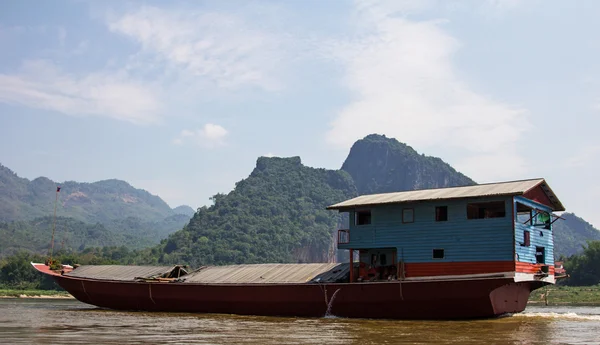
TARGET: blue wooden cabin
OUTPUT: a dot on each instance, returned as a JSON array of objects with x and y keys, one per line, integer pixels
[{"x": 498, "y": 228}]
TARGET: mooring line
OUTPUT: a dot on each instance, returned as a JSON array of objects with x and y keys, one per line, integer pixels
[
  {"x": 88, "y": 295},
  {"x": 400, "y": 285},
  {"x": 150, "y": 290},
  {"x": 330, "y": 304}
]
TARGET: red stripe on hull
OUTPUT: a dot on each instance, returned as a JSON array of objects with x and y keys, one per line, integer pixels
[
  {"x": 426, "y": 269},
  {"x": 458, "y": 299},
  {"x": 526, "y": 267}
]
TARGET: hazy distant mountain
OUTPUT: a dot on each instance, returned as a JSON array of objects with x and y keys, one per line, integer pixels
[
  {"x": 102, "y": 201},
  {"x": 571, "y": 234},
  {"x": 184, "y": 209},
  {"x": 128, "y": 215}
]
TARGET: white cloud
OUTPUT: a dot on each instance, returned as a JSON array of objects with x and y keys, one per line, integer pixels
[
  {"x": 42, "y": 85},
  {"x": 406, "y": 86},
  {"x": 221, "y": 48},
  {"x": 209, "y": 136},
  {"x": 269, "y": 155},
  {"x": 181, "y": 54}
]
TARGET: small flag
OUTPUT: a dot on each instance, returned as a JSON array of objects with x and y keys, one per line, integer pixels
[{"x": 57, "y": 189}]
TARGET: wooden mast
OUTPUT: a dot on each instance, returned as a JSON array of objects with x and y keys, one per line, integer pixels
[{"x": 53, "y": 226}]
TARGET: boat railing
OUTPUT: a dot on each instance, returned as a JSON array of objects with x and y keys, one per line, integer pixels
[{"x": 343, "y": 236}]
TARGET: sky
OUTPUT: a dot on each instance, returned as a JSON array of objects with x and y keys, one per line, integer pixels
[{"x": 180, "y": 98}]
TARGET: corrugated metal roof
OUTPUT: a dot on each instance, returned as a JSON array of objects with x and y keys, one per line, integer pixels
[
  {"x": 482, "y": 190},
  {"x": 269, "y": 273},
  {"x": 118, "y": 272}
]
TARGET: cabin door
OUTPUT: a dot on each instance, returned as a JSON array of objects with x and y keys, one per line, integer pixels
[{"x": 377, "y": 264}]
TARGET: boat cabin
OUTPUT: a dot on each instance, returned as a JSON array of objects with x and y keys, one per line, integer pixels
[{"x": 488, "y": 229}]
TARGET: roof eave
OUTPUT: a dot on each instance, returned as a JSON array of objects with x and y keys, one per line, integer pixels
[
  {"x": 557, "y": 204},
  {"x": 350, "y": 207}
]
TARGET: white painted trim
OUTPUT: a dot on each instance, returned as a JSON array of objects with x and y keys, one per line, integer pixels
[
  {"x": 518, "y": 277},
  {"x": 522, "y": 277}
]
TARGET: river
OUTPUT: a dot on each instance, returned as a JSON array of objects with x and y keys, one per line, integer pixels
[{"x": 48, "y": 321}]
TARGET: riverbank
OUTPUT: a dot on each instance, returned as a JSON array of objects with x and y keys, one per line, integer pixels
[
  {"x": 566, "y": 295},
  {"x": 12, "y": 293}
]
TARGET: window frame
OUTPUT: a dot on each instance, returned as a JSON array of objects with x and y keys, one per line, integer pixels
[
  {"x": 433, "y": 251},
  {"x": 412, "y": 210},
  {"x": 526, "y": 238},
  {"x": 445, "y": 213},
  {"x": 543, "y": 255},
  {"x": 363, "y": 211},
  {"x": 479, "y": 209}
]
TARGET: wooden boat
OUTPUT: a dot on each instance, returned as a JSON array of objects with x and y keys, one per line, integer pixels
[{"x": 448, "y": 253}]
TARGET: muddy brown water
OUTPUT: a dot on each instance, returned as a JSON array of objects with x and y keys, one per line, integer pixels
[{"x": 51, "y": 321}]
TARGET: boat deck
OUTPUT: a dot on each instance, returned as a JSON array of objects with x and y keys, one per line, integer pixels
[{"x": 230, "y": 274}]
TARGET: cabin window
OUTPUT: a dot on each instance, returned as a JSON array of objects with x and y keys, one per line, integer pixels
[
  {"x": 542, "y": 220},
  {"x": 382, "y": 260},
  {"x": 526, "y": 239},
  {"x": 524, "y": 214},
  {"x": 363, "y": 217},
  {"x": 533, "y": 217},
  {"x": 408, "y": 215},
  {"x": 438, "y": 253},
  {"x": 480, "y": 210},
  {"x": 540, "y": 255},
  {"x": 441, "y": 213}
]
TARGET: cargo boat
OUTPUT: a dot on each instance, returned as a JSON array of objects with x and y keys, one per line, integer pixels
[{"x": 446, "y": 253}]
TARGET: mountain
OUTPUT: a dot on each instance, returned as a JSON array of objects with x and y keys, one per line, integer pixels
[
  {"x": 185, "y": 210},
  {"x": 101, "y": 201},
  {"x": 103, "y": 213},
  {"x": 277, "y": 214},
  {"x": 571, "y": 234},
  {"x": 381, "y": 165}
]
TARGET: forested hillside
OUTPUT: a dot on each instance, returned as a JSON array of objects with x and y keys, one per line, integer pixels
[
  {"x": 35, "y": 235},
  {"x": 277, "y": 214}
]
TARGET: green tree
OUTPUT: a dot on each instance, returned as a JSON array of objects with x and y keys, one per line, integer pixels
[{"x": 584, "y": 269}]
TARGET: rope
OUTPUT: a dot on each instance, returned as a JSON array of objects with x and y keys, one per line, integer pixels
[
  {"x": 150, "y": 290},
  {"x": 83, "y": 286}
]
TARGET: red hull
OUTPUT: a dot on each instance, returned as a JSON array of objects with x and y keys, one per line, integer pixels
[{"x": 449, "y": 299}]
